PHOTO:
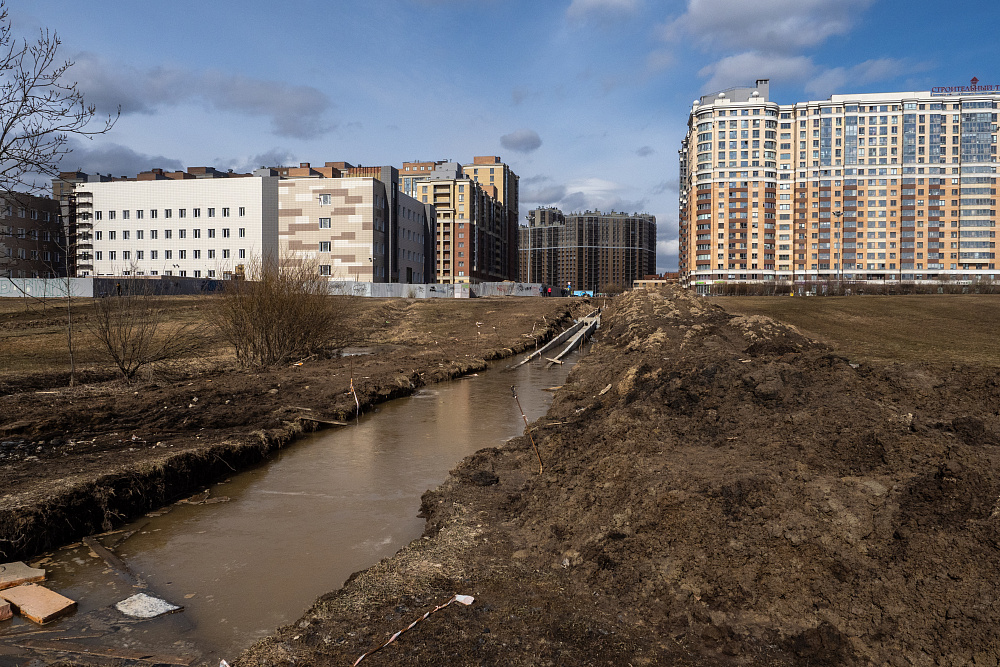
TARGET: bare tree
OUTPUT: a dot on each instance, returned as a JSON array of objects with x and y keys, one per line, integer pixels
[
  {"x": 282, "y": 311},
  {"x": 40, "y": 109},
  {"x": 131, "y": 329}
]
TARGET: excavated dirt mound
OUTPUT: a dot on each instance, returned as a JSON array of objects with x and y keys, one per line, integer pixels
[{"x": 717, "y": 490}]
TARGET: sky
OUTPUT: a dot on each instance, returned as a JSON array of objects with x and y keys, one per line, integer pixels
[{"x": 586, "y": 100}]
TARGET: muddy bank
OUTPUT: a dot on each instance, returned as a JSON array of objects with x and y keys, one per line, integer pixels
[
  {"x": 76, "y": 462},
  {"x": 717, "y": 490}
]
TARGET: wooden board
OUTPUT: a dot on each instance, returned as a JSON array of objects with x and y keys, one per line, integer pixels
[
  {"x": 17, "y": 573},
  {"x": 37, "y": 603}
]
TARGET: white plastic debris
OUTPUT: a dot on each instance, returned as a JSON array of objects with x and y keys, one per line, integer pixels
[{"x": 141, "y": 605}]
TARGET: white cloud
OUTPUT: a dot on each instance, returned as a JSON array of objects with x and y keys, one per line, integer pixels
[
  {"x": 294, "y": 110},
  {"x": 836, "y": 79},
  {"x": 764, "y": 25},
  {"x": 745, "y": 68},
  {"x": 521, "y": 141},
  {"x": 583, "y": 9}
]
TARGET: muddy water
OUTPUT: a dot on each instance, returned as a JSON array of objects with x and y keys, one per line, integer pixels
[{"x": 290, "y": 530}]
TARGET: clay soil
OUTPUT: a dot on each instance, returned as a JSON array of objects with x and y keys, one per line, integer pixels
[
  {"x": 78, "y": 461},
  {"x": 718, "y": 489}
]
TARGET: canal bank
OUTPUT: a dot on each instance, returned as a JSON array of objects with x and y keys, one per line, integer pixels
[{"x": 717, "y": 490}]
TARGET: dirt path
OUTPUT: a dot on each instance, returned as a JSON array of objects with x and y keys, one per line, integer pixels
[
  {"x": 76, "y": 462},
  {"x": 717, "y": 490}
]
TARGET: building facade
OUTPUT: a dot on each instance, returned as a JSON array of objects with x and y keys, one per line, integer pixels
[
  {"x": 475, "y": 230},
  {"x": 591, "y": 251},
  {"x": 32, "y": 240},
  {"x": 870, "y": 187}
]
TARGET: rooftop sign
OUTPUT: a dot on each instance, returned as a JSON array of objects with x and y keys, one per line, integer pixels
[{"x": 973, "y": 87}]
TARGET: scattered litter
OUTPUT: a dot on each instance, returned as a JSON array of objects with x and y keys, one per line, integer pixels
[
  {"x": 114, "y": 562},
  {"x": 461, "y": 599},
  {"x": 553, "y": 361},
  {"x": 556, "y": 388},
  {"x": 17, "y": 573},
  {"x": 37, "y": 603},
  {"x": 605, "y": 390},
  {"x": 141, "y": 605},
  {"x": 6, "y": 613}
]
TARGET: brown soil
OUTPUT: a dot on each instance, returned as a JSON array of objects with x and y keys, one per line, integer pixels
[
  {"x": 77, "y": 461},
  {"x": 717, "y": 489}
]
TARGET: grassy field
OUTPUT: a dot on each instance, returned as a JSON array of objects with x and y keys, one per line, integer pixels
[{"x": 940, "y": 328}]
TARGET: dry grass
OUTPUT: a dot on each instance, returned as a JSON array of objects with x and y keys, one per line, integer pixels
[
  {"x": 33, "y": 334},
  {"x": 947, "y": 328}
]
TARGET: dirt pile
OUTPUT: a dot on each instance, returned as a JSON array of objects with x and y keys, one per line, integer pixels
[{"x": 717, "y": 490}]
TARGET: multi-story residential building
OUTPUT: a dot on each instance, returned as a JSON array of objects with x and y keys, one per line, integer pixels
[
  {"x": 865, "y": 187},
  {"x": 472, "y": 231},
  {"x": 504, "y": 186},
  {"x": 32, "y": 241},
  {"x": 587, "y": 251}
]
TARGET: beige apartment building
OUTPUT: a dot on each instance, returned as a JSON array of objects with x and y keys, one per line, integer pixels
[
  {"x": 473, "y": 228},
  {"x": 885, "y": 187}
]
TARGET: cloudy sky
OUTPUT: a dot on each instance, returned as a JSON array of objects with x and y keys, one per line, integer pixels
[{"x": 587, "y": 100}]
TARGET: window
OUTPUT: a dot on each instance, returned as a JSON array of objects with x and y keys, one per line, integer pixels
[
  {"x": 99, "y": 255},
  {"x": 168, "y": 213},
  {"x": 152, "y": 234},
  {"x": 153, "y": 254},
  {"x": 124, "y": 215},
  {"x": 168, "y": 233},
  {"x": 97, "y": 214},
  {"x": 225, "y": 213},
  {"x": 168, "y": 254},
  {"x": 182, "y": 233},
  {"x": 211, "y": 254},
  {"x": 196, "y": 233},
  {"x": 211, "y": 273},
  {"x": 181, "y": 213},
  {"x": 197, "y": 254},
  {"x": 111, "y": 255},
  {"x": 324, "y": 200},
  {"x": 138, "y": 214},
  {"x": 243, "y": 211},
  {"x": 324, "y": 246},
  {"x": 211, "y": 212},
  {"x": 243, "y": 253},
  {"x": 324, "y": 269},
  {"x": 152, "y": 213},
  {"x": 197, "y": 274},
  {"x": 111, "y": 215},
  {"x": 126, "y": 255},
  {"x": 243, "y": 232},
  {"x": 225, "y": 233},
  {"x": 138, "y": 234},
  {"x": 99, "y": 236},
  {"x": 111, "y": 235},
  {"x": 324, "y": 223},
  {"x": 138, "y": 254},
  {"x": 225, "y": 254},
  {"x": 211, "y": 232},
  {"x": 196, "y": 212}
]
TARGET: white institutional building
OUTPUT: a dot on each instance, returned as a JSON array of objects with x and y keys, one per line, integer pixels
[{"x": 206, "y": 224}]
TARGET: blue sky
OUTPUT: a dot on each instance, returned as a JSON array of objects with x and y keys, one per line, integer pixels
[{"x": 587, "y": 100}]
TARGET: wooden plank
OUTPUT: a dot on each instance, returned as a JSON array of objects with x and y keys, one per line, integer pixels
[
  {"x": 18, "y": 573},
  {"x": 107, "y": 652},
  {"x": 114, "y": 562},
  {"x": 37, "y": 603}
]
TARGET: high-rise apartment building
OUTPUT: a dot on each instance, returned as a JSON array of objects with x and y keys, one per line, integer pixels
[
  {"x": 589, "y": 250},
  {"x": 474, "y": 226},
  {"x": 866, "y": 187}
]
